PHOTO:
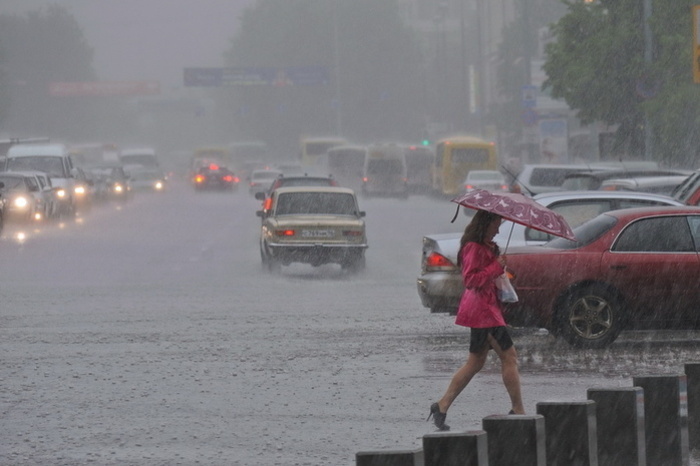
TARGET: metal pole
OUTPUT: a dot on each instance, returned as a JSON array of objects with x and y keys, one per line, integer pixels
[{"x": 648, "y": 149}]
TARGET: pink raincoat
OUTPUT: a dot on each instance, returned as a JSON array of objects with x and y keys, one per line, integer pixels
[{"x": 479, "y": 306}]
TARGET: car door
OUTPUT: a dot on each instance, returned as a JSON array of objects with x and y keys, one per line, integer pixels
[{"x": 654, "y": 264}]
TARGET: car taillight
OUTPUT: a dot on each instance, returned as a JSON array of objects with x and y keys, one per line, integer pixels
[
  {"x": 468, "y": 186},
  {"x": 284, "y": 232},
  {"x": 228, "y": 178},
  {"x": 504, "y": 187},
  {"x": 236, "y": 179},
  {"x": 352, "y": 233},
  {"x": 365, "y": 179},
  {"x": 199, "y": 179},
  {"x": 437, "y": 261}
]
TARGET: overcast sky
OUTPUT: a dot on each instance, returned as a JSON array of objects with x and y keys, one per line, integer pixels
[{"x": 137, "y": 40}]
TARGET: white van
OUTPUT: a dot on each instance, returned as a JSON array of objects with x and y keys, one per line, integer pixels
[
  {"x": 56, "y": 162},
  {"x": 384, "y": 172}
]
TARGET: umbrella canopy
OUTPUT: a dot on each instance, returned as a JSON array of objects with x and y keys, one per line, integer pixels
[{"x": 518, "y": 209}]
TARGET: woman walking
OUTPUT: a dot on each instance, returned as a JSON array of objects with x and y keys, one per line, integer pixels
[{"x": 480, "y": 310}]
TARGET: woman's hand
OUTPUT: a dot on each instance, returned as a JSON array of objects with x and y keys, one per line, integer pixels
[{"x": 502, "y": 260}]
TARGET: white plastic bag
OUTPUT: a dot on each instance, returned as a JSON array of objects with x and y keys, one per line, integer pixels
[{"x": 506, "y": 292}]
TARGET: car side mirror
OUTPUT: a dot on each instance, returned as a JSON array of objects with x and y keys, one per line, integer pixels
[
  {"x": 259, "y": 213},
  {"x": 362, "y": 213},
  {"x": 260, "y": 196}
]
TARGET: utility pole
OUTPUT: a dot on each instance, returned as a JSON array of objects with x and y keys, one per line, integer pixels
[{"x": 648, "y": 140}]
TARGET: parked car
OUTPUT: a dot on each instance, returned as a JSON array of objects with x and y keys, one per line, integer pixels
[
  {"x": 587, "y": 181},
  {"x": 492, "y": 180},
  {"x": 632, "y": 268},
  {"x": 24, "y": 199},
  {"x": 260, "y": 180},
  {"x": 313, "y": 225},
  {"x": 215, "y": 177},
  {"x": 645, "y": 184},
  {"x": 539, "y": 178},
  {"x": 440, "y": 283}
]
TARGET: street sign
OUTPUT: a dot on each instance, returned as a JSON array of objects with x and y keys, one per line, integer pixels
[
  {"x": 103, "y": 88},
  {"x": 256, "y": 76},
  {"x": 696, "y": 44},
  {"x": 529, "y": 96}
]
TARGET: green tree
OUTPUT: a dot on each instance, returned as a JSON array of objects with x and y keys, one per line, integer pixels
[
  {"x": 38, "y": 48},
  {"x": 379, "y": 70},
  {"x": 596, "y": 64}
]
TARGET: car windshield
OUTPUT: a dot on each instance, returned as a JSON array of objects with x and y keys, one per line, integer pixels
[
  {"x": 12, "y": 182},
  {"x": 51, "y": 165},
  {"x": 586, "y": 233},
  {"x": 315, "y": 203}
]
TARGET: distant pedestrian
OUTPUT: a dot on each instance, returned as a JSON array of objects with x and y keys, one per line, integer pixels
[{"x": 480, "y": 309}]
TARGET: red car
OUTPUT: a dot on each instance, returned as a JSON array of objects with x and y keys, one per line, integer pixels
[{"x": 632, "y": 268}]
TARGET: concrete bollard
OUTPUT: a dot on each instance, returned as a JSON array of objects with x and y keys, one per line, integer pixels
[
  {"x": 570, "y": 430},
  {"x": 692, "y": 372},
  {"x": 666, "y": 419},
  {"x": 390, "y": 458},
  {"x": 456, "y": 449},
  {"x": 515, "y": 439},
  {"x": 620, "y": 426}
]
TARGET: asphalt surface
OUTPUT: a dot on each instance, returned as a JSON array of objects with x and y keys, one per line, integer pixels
[{"x": 150, "y": 335}]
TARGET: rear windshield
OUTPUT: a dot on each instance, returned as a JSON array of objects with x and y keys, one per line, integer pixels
[
  {"x": 585, "y": 233},
  {"x": 315, "y": 203},
  {"x": 552, "y": 177},
  {"x": 385, "y": 167}
]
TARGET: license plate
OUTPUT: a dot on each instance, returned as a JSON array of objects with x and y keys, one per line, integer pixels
[{"x": 317, "y": 233}]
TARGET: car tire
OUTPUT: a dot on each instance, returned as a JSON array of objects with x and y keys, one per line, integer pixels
[{"x": 590, "y": 317}]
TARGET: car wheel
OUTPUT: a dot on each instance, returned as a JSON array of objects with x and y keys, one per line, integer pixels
[{"x": 590, "y": 317}]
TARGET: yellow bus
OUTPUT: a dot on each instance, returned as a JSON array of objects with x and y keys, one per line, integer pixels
[
  {"x": 457, "y": 156},
  {"x": 312, "y": 148}
]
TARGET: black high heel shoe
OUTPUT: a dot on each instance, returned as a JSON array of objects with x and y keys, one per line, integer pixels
[{"x": 438, "y": 417}]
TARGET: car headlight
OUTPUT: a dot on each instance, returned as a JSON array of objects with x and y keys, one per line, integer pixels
[
  {"x": 61, "y": 193},
  {"x": 80, "y": 190},
  {"x": 21, "y": 202},
  {"x": 118, "y": 188},
  {"x": 159, "y": 185}
]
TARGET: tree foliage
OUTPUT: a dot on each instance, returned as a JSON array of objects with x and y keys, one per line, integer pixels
[
  {"x": 38, "y": 48},
  {"x": 597, "y": 65},
  {"x": 377, "y": 81}
]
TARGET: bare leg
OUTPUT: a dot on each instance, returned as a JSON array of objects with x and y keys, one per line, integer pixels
[
  {"x": 462, "y": 377},
  {"x": 510, "y": 374}
]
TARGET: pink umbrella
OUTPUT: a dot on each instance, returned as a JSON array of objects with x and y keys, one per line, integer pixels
[{"x": 518, "y": 209}]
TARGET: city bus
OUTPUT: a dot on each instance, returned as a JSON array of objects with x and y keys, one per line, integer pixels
[
  {"x": 312, "y": 148},
  {"x": 345, "y": 163},
  {"x": 455, "y": 157}
]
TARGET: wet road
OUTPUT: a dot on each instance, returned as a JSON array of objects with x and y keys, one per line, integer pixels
[{"x": 150, "y": 335}]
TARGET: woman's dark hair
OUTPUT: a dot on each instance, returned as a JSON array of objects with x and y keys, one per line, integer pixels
[{"x": 475, "y": 232}]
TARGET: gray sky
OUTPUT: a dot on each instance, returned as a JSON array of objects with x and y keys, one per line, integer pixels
[{"x": 137, "y": 40}]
